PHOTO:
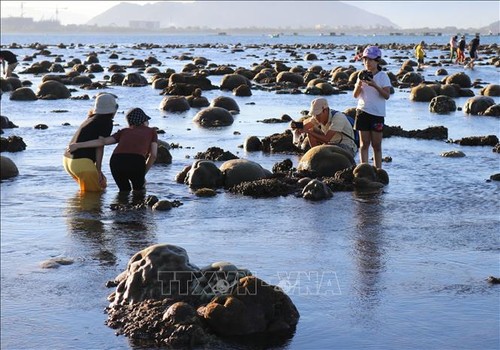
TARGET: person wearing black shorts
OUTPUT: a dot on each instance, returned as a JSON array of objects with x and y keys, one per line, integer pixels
[
  {"x": 372, "y": 89},
  {"x": 8, "y": 59}
]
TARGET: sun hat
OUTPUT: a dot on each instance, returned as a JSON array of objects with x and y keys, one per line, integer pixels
[
  {"x": 372, "y": 52},
  {"x": 136, "y": 116},
  {"x": 105, "y": 104},
  {"x": 317, "y": 106}
]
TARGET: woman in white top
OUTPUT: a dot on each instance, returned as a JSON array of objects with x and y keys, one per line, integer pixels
[{"x": 372, "y": 89}]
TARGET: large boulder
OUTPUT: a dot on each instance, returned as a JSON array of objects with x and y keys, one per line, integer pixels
[
  {"x": 290, "y": 77},
  {"x": 478, "y": 104},
  {"x": 325, "y": 160},
  {"x": 134, "y": 80},
  {"x": 53, "y": 90},
  {"x": 213, "y": 117},
  {"x": 491, "y": 90},
  {"x": 157, "y": 272},
  {"x": 232, "y": 81},
  {"x": 236, "y": 171},
  {"x": 460, "y": 78},
  {"x": 8, "y": 168},
  {"x": 442, "y": 105},
  {"x": 254, "y": 307},
  {"x": 23, "y": 94},
  {"x": 204, "y": 173},
  {"x": 422, "y": 93},
  {"x": 225, "y": 102},
  {"x": 174, "y": 104}
]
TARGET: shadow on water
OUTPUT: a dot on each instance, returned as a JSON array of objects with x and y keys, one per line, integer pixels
[{"x": 368, "y": 251}]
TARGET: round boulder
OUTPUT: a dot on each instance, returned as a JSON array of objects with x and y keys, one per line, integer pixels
[
  {"x": 478, "y": 105},
  {"x": 8, "y": 168},
  {"x": 460, "y": 78},
  {"x": 53, "y": 90},
  {"x": 174, "y": 104},
  {"x": 491, "y": 90},
  {"x": 325, "y": 160},
  {"x": 204, "y": 174},
  {"x": 422, "y": 93},
  {"x": 232, "y": 81},
  {"x": 214, "y": 116},
  {"x": 23, "y": 94},
  {"x": 236, "y": 171},
  {"x": 225, "y": 102},
  {"x": 157, "y": 272},
  {"x": 442, "y": 105}
]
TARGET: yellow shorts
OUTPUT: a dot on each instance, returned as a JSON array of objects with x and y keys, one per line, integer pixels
[{"x": 84, "y": 172}]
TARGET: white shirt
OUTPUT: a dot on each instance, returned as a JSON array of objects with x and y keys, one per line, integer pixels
[{"x": 370, "y": 100}]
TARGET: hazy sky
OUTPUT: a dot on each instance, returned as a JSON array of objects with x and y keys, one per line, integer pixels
[{"x": 406, "y": 14}]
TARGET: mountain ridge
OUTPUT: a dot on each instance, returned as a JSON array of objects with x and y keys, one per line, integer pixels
[{"x": 243, "y": 14}]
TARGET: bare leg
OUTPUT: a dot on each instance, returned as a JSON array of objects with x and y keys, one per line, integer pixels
[
  {"x": 364, "y": 145},
  {"x": 377, "y": 148}
]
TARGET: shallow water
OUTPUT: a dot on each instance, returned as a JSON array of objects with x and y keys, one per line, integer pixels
[{"x": 405, "y": 268}]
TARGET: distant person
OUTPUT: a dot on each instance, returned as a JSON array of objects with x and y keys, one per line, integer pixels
[
  {"x": 9, "y": 62},
  {"x": 473, "y": 47},
  {"x": 461, "y": 51},
  {"x": 358, "y": 54},
  {"x": 420, "y": 54},
  {"x": 372, "y": 89},
  {"x": 453, "y": 46},
  {"x": 135, "y": 153},
  {"x": 326, "y": 126},
  {"x": 84, "y": 165}
]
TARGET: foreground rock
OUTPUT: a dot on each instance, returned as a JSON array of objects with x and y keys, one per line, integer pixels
[{"x": 162, "y": 299}]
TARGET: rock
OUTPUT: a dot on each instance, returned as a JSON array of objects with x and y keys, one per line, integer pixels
[
  {"x": 174, "y": 104},
  {"x": 478, "y": 104},
  {"x": 236, "y": 171},
  {"x": 453, "y": 154},
  {"x": 460, "y": 78},
  {"x": 225, "y": 102},
  {"x": 204, "y": 174},
  {"x": 252, "y": 144},
  {"x": 442, "y": 105},
  {"x": 214, "y": 117},
  {"x": 325, "y": 160},
  {"x": 8, "y": 168},
  {"x": 253, "y": 307},
  {"x": 232, "y": 81},
  {"x": 162, "y": 205},
  {"x": 491, "y": 90},
  {"x": 422, "y": 93},
  {"x": 53, "y": 90},
  {"x": 23, "y": 94},
  {"x": 316, "y": 190},
  {"x": 157, "y": 272}
]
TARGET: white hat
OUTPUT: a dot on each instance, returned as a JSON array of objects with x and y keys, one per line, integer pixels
[
  {"x": 105, "y": 104},
  {"x": 317, "y": 106}
]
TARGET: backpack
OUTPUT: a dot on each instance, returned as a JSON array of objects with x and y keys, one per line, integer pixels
[{"x": 355, "y": 132}]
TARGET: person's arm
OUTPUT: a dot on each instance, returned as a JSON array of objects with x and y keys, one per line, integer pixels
[
  {"x": 153, "y": 153},
  {"x": 101, "y": 141},
  {"x": 319, "y": 136},
  {"x": 357, "y": 88}
]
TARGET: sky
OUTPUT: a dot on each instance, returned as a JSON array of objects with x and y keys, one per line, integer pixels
[{"x": 406, "y": 14}]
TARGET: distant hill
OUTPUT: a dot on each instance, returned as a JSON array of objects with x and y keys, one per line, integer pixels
[{"x": 244, "y": 14}]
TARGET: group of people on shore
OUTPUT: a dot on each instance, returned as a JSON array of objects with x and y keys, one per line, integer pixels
[
  {"x": 457, "y": 51},
  {"x": 327, "y": 126}
]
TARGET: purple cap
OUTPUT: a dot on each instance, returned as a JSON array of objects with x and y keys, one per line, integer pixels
[{"x": 372, "y": 52}]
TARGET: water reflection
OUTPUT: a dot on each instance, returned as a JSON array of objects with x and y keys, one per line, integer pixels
[
  {"x": 368, "y": 251},
  {"x": 105, "y": 233}
]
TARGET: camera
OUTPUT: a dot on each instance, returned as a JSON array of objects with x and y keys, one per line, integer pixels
[
  {"x": 297, "y": 125},
  {"x": 365, "y": 75}
]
